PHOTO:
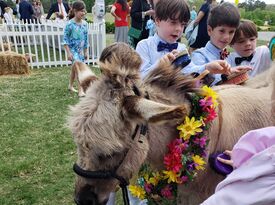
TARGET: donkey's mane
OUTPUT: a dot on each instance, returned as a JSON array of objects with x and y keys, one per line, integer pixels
[{"x": 168, "y": 77}]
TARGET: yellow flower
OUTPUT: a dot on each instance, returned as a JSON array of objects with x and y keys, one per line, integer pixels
[
  {"x": 190, "y": 127},
  {"x": 137, "y": 191},
  {"x": 199, "y": 162},
  {"x": 155, "y": 179},
  {"x": 171, "y": 176},
  {"x": 209, "y": 92}
]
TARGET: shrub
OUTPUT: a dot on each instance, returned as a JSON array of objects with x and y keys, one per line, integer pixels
[{"x": 110, "y": 27}]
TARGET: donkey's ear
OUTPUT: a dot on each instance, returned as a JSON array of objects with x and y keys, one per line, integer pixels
[{"x": 138, "y": 108}]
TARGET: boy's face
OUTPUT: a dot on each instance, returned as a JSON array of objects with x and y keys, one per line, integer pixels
[
  {"x": 221, "y": 36},
  {"x": 169, "y": 30},
  {"x": 245, "y": 46}
]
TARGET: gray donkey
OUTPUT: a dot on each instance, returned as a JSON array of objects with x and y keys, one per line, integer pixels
[{"x": 106, "y": 124}]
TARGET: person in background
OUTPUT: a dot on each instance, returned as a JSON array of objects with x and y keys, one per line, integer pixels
[
  {"x": 246, "y": 53},
  {"x": 38, "y": 11},
  {"x": 17, "y": 9},
  {"x": 60, "y": 9},
  {"x": 8, "y": 16},
  {"x": 76, "y": 35},
  {"x": 193, "y": 13},
  {"x": 141, "y": 11},
  {"x": 223, "y": 21},
  {"x": 26, "y": 11},
  {"x": 3, "y": 5},
  {"x": 201, "y": 20},
  {"x": 120, "y": 10},
  {"x": 253, "y": 178}
]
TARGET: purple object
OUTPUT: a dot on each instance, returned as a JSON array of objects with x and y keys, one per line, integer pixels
[{"x": 219, "y": 167}]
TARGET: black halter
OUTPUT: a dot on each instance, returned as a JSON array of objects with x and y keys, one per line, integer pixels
[{"x": 104, "y": 175}]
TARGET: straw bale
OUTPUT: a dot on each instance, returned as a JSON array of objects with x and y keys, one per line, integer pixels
[
  {"x": 13, "y": 63},
  {"x": 7, "y": 46}
]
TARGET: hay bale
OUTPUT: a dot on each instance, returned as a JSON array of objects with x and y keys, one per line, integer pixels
[{"x": 13, "y": 63}]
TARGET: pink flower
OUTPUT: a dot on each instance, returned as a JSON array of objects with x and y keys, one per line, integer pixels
[
  {"x": 183, "y": 179},
  {"x": 166, "y": 192},
  {"x": 205, "y": 103},
  {"x": 148, "y": 187},
  {"x": 211, "y": 115},
  {"x": 201, "y": 141},
  {"x": 172, "y": 161}
]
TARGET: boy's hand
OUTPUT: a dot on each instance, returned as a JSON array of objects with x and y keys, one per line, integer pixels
[
  {"x": 241, "y": 69},
  {"x": 218, "y": 67},
  {"x": 170, "y": 57}
]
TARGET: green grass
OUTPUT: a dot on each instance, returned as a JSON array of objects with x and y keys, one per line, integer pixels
[{"x": 37, "y": 150}]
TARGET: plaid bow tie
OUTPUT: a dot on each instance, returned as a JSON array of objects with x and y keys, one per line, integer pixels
[
  {"x": 239, "y": 60},
  {"x": 223, "y": 54},
  {"x": 167, "y": 46}
]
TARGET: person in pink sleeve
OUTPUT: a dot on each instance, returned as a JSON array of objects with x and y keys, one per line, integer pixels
[{"x": 253, "y": 178}]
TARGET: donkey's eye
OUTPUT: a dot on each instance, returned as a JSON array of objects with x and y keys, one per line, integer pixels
[{"x": 127, "y": 80}]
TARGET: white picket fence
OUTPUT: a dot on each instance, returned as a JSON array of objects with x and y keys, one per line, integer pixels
[{"x": 44, "y": 42}]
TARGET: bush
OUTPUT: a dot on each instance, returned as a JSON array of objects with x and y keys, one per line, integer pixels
[{"x": 110, "y": 27}]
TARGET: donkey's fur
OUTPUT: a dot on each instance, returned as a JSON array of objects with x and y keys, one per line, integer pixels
[{"x": 104, "y": 122}]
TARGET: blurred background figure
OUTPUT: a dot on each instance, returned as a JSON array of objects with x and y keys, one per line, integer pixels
[
  {"x": 8, "y": 15},
  {"x": 38, "y": 11},
  {"x": 26, "y": 11},
  {"x": 193, "y": 13},
  {"x": 201, "y": 20},
  {"x": 120, "y": 11},
  {"x": 141, "y": 12},
  {"x": 60, "y": 9},
  {"x": 3, "y": 5}
]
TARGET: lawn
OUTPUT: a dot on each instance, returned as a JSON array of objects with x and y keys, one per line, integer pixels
[{"x": 37, "y": 150}]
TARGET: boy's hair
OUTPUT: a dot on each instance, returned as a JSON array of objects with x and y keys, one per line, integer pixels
[
  {"x": 77, "y": 6},
  {"x": 246, "y": 28},
  {"x": 224, "y": 14},
  {"x": 172, "y": 9}
]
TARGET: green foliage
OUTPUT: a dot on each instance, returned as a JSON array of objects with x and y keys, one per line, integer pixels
[
  {"x": 259, "y": 16},
  {"x": 251, "y": 5},
  {"x": 110, "y": 27}
]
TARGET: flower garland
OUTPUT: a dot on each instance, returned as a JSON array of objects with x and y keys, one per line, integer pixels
[{"x": 185, "y": 154}]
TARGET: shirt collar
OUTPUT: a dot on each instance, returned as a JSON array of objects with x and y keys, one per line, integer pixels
[{"x": 213, "y": 49}]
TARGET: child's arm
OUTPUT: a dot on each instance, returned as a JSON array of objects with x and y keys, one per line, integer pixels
[
  {"x": 66, "y": 41},
  {"x": 113, "y": 9},
  {"x": 147, "y": 65},
  {"x": 68, "y": 51}
]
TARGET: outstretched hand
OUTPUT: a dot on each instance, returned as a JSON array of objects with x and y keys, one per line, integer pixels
[
  {"x": 227, "y": 161},
  {"x": 218, "y": 67},
  {"x": 241, "y": 69}
]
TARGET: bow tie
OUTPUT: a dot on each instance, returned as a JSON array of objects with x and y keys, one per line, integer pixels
[
  {"x": 223, "y": 54},
  {"x": 239, "y": 60},
  {"x": 167, "y": 46}
]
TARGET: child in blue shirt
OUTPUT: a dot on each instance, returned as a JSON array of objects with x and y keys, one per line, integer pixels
[
  {"x": 170, "y": 18},
  {"x": 76, "y": 36},
  {"x": 223, "y": 21}
]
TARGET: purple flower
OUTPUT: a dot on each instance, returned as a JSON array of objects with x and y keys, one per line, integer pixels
[{"x": 201, "y": 141}]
